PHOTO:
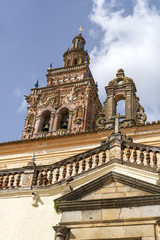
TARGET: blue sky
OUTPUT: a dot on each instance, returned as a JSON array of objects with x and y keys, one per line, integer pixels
[{"x": 119, "y": 34}]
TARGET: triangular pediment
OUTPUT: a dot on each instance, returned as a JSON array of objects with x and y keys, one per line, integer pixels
[
  {"x": 114, "y": 189},
  {"x": 112, "y": 185}
]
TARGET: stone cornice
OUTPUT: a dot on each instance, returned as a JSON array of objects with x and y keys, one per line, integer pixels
[{"x": 109, "y": 203}]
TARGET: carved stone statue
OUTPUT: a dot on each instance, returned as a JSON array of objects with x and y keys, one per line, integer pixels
[{"x": 79, "y": 112}]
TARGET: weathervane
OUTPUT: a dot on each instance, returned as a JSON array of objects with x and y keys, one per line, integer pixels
[
  {"x": 36, "y": 84},
  {"x": 80, "y": 30}
]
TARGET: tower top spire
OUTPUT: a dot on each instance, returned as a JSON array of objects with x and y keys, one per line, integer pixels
[{"x": 80, "y": 29}]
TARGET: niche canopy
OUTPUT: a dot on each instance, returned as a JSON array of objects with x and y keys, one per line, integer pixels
[{"x": 121, "y": 88}]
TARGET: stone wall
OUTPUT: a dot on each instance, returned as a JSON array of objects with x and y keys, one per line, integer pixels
[{"x": 125, "y": 223}]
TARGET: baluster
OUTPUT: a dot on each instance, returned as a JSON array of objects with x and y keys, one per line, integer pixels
[
  {"x": 50, "y": 177},
  {"x": 135, "y": 156},
  {"x": 12, "y": 180},
  {"x": 1, "y": 181},
  {"x": 90, "y": 162},
  {"x": 103, "y": 157},
  {"x": 18, "y": 179},
  {"x": 142, "y": 157},
  {"x": 64, "y": 172},
  {"x": 70, "y": 169},
  {"x": 57, "y": 174},
  {"x": 77, "y": 167},
  {"x": 6, "y": 180},
  {"x": 45, "y": 180},
  {"x": 148, "y": 158},
  {"x": 97, "y": 160},
  {"x": 154, "y": 159},
  {"x": 40, "y": 178},
  {"x": 128, "y": 154},
  {"x": 83, "y": 164}
]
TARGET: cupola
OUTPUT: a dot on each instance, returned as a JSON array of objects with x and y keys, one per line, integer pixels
[{"x": 76, "y": 55}]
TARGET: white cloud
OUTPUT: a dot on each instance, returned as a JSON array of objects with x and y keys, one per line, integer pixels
[
  {"x": 19, "y": 92},
  {"x": 130, "y": 41},
  {"x": 22, "y": 107}
]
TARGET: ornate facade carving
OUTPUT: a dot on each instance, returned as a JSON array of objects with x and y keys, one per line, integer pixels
[{"x": 69, "y": 103}]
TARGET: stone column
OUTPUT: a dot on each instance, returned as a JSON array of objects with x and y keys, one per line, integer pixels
[
  {"x": 128, "y": 105},
  {"x": 158, "y": 230},
  {"x": 26, "y": 123},
  {"x": 61, "y": 232},
  {"x": 37, "y": 124},
  {"x": 51, "y": 123},
  {"x": 70, "y": 120},
  {"x": 109, "y": 110},
  {"x": 55, "y": 122}
]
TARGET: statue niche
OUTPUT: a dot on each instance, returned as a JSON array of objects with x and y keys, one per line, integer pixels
[
  {"x": 79, "y": 115},
  {"x": 30, "y": 121}
]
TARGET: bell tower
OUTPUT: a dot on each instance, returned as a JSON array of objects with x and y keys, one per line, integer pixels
[
  {"x": 69, "y": 103},
  {"x": 121, "y": 88}
]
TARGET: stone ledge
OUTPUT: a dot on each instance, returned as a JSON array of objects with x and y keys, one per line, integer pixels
[{"x": 109, "y": 203}]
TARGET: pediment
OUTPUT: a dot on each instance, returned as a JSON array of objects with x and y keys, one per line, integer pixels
[
  {"x": 113, "y": 190},
  {"x": 112, "y": 185}
]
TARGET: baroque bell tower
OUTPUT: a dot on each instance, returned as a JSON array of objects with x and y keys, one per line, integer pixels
[{"x": 69, "y": 103}]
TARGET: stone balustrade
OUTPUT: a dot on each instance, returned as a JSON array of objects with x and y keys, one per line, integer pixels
[
  {"x": 69, "y": 169},
  {"x": 10, "y": 180},
  {"x": 113, "y": 151},
  {"x": 142, "y": 155}
]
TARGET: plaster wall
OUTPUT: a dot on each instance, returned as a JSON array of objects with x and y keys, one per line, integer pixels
[{"x": 20, "y": 220}]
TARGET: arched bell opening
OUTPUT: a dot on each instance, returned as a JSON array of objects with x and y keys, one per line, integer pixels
[
  {"x": 120, "y": 104},
  {"x": 75, "y": 61},
  {"x": 63, "y": 119},
  {"x": 45, "y": 121}
]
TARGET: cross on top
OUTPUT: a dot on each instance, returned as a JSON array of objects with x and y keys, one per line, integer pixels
[{"x": 116, "y": 119}]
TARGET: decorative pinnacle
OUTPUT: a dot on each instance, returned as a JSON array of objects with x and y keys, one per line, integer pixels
[
  {"x": 33, "y": 157},
  {"x": 80, "y": 30}
]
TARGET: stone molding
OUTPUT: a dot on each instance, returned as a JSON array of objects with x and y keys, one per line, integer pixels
[
  {"x": 108, "y": 178},
  {"x": 109, "y": 203}
]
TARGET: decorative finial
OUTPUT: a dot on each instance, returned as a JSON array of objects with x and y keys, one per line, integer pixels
[
  {"x": 50, "y": 65},
  {"x": 33, "y": 157},
  {"x": 80, "y": 30},
  {"x": 37, "y": 84}
]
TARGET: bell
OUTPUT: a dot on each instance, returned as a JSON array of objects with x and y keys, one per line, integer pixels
[
  {"x": 65, "y": 124},
  {"x": 46, "y": 128}
]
